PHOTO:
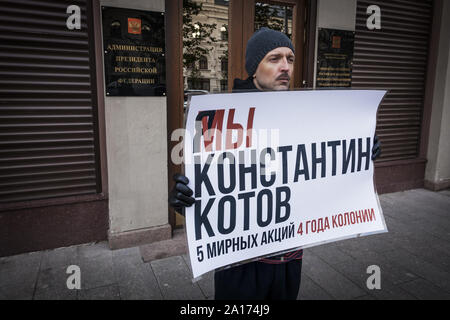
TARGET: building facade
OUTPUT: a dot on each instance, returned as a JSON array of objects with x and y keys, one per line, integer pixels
[
  {"x": 212, "y": 67},
  {"x": 77, "y": 165}
]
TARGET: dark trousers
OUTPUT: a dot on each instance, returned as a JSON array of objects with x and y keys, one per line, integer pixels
[{"x": 259, "y": 281}]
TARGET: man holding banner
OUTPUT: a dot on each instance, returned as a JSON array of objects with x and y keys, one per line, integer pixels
[{"x": 269, "y": 63}]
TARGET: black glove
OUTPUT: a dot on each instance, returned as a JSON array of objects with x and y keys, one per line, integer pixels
[
  {"x": 181, "y": 195},
  {"x": 376, "y": 149}
]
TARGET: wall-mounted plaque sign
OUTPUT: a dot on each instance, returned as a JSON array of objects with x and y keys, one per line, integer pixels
[
  {"x": 335, "y": 58},
  {"x": 134, "y": 52}
]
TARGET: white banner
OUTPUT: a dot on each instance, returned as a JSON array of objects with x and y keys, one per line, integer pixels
[{"x": 273, "y": 171}]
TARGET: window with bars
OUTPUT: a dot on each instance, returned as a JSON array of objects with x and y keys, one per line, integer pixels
[
  {"x": 395, "y": 58},
  {"x": 48, "y": 125}
]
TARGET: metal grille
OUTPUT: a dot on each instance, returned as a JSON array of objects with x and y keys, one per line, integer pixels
[
  {"x": 47, "y": 102},
  {"x": 395, "y": 58}
]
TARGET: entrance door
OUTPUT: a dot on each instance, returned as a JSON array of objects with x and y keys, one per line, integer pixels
[
  {"x": 214, "y": 34},
  {"x": 247, "y": 16}
]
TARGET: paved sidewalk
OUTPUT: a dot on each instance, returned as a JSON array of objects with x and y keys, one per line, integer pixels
[{"x": 414, "y": 258}]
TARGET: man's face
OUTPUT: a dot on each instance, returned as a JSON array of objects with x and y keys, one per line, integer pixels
[{"x": 274, "y": 72}]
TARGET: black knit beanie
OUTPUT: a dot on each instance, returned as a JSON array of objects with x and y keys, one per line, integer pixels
[{"x": 261, "y": 43}]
